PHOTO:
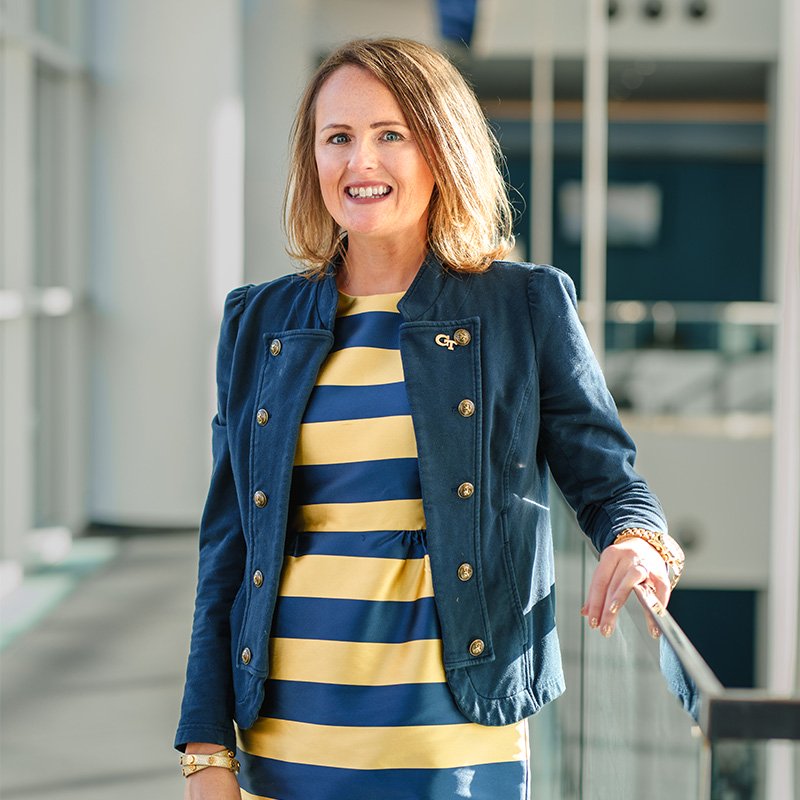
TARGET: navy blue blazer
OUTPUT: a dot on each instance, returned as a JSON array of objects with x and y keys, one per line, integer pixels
[{"x": 508, "y": 339}]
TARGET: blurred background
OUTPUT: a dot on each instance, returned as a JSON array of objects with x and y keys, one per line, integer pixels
[{"x": 652, "y": 150}]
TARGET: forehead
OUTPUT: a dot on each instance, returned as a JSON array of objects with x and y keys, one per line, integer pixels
[{"x": 352, "y": 91}]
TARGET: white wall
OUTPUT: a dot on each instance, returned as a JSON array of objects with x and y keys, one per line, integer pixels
[
  {"x": 165, "y": 244},
  {"x": 736, "y": 30}
]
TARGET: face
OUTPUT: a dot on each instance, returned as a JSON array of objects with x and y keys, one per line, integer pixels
[{"x": 373, "y": 177}]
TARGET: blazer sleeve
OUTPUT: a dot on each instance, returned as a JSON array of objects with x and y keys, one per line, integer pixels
[
  {"x": 207, "y": 707},
  {"x": 589, "y": 453}
]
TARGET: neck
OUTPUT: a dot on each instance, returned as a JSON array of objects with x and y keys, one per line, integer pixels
[{"x": 380, "y": 267}]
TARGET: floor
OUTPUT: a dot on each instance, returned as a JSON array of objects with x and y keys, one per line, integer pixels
[{"x": 91, "y": 691}]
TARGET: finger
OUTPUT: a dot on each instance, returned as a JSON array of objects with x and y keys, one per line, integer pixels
[
  {"x": 597, "y": 591},
  {"x": 624, "y": 579},
  {"x": 659, "y": 591}
]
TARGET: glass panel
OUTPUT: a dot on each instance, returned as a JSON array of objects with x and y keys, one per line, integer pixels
[
  {"x": 4, "y": 533},
  {"x": 51, "y": 350},
  {"x": 618, "y": 731},
  {"x": 636, "y": 732},
  {"x": 49, "y": 179},
  {"x": 738, "y": 771},
  {"x": 557, "y": 730},
  {"x": 54, "y": 20}
]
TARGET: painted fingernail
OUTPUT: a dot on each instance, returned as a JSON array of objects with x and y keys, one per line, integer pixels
[
  {"x": 584, "y": 610},
  {"x": 614, "y": 607},
  {"x": 607, "y": 629},
  {"x": 594, "y": 622},
  {"x": 655, "y": 633}
]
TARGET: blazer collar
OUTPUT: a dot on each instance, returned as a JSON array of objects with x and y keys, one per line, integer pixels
[{"x": 420, "y": 297}]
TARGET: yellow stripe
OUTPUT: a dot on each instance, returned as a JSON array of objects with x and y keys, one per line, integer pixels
[
  {"x": 406, "y": 747},
  {"x": 361, "y": 366},
  {"x": 360, "y": 304},
  {"x": 247, "y": 796},
  {"x": 356, "y": 663},
  {"x": 356, "y": 577},
  {"x": 348, "y": 440},
  {"x": 380, "y": 515}
]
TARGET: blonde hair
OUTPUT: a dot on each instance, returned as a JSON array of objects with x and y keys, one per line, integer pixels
[{"x": 469, "y": 218}]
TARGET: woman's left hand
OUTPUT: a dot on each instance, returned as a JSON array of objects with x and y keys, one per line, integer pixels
[{"x": 620, "y": 568}]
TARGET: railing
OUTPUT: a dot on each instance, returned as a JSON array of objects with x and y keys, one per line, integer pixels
[{"x": 648, "y": 719}]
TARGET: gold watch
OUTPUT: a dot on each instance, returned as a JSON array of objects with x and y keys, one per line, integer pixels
[{"x": 667, "y": 548}]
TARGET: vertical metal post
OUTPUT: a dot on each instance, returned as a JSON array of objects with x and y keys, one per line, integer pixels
[
  {"x": 784, "y": 584},
  {"x": 595, "y": 175},
  {"x": 542, "y": 115}
]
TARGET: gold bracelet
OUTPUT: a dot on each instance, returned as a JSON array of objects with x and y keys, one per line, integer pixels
[
  {"x": 664, "y": 544},
  {"x": 194, "y": 762}
]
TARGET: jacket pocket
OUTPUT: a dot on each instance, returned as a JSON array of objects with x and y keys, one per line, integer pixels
[{"x": 235, "y": 618}]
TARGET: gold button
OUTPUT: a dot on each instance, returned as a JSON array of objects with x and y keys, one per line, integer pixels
[
  {"x": 462, "y": 336},
  {"x": 476, "y": 647},
  {"x": 247, "y": 655},
  {"x": 466, "y": 489},
  {"x": 258, "y": 578},
  {"x": 275, "y": 347},
  {"x": 465, "y": 572},
  {"x": 189, "y": 759},
  {"x": 262, "y": 416},
  {"x": 260, "y": 499},
  {"x": 466, "y": 408}
]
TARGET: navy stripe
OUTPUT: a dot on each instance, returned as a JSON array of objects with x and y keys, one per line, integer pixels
[
  {"x": 360, "y": 706},
  {"x": 357, "y": 482},
  {"x": 284, "y": 780},
  {"x": 368, "y": 329},
  {"x": 369, "y": 544},
  {"x": 346, "y": 620},
  {"x": 330, "y": 403}
]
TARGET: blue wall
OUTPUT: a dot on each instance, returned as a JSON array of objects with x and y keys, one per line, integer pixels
[{"x": 710, "y": 245}]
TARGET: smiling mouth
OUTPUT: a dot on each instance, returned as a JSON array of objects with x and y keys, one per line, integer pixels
[{"x": 376, "y": 192}]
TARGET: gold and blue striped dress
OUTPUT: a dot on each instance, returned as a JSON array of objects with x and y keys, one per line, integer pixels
[{"x": 356, "y": 705}]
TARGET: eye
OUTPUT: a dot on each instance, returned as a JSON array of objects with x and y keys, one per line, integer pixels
[
  {"x": 393, "y": 136},
  {"x": 339, "y": 138}
]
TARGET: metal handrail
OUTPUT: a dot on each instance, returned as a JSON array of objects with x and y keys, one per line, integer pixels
[{"x": 751, "y": 714}]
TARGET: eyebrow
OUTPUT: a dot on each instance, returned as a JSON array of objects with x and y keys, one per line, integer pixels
[{"x": 381, "y": 124}]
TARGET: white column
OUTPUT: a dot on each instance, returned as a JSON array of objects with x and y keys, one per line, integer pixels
[
  {"x": 784, "y": 586},
  {"x": 542, "y": 112},
  {"x": 595, "y": 175},
  {"x": 278, "y": 60},
  {"x": 16, "y": 359},
  {"x": 165, "y": 245}
]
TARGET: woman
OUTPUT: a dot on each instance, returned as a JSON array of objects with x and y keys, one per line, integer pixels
[{"x": 375, "y": 596}]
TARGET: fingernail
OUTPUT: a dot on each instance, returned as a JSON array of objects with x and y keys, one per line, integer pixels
[
  {"x": 614, "y": 607},
  {"x": 584, "y": 610},
  {"x": 594, "y": 622},
  {"x": 607, "y": 629},
  {"x": 655, "y": 633}
]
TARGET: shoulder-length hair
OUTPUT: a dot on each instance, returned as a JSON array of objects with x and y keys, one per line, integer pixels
[{"x": 470, "y": 217}]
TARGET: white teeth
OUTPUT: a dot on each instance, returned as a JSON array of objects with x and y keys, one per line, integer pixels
[{"x": 368, "y": 191}]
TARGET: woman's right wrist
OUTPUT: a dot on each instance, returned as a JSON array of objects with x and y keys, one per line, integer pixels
[{"x": 203, "y": 748}]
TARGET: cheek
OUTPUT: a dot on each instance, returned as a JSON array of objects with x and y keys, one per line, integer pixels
[{"x": 328, "y": 179}]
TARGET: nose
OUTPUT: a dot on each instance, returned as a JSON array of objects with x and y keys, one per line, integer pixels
[{"x": 363, "y": 156}]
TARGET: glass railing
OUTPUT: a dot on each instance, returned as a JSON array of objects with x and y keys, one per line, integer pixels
[{"x": 646, "y": 718}]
